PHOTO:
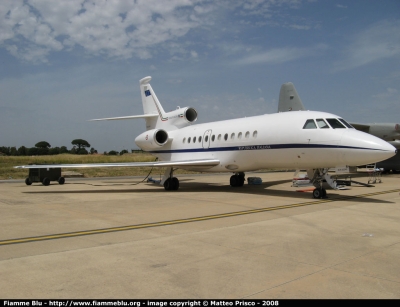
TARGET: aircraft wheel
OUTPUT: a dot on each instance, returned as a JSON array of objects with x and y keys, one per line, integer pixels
[
  {"x": 234, "y": 181},
  {"x": 175, "y": 183},
  {"x": 240, "y": 180},
  {"x": 28, "y": 181},
  {"x": 167, "y": 184},
  {"x": 61, "y": 180},
  {"x": 318, "y": 193},
  {"x": 46, "y": 181}
]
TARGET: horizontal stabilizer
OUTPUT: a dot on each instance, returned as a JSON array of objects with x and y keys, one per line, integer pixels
[
  {"x": 184, "y": 163},
  {"x": 126, "y": 117}
]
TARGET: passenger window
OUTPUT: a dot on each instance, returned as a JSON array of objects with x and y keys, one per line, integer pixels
[
  {"x": 194, "y": 140},
  {"x": 310, "y": 124},
  {"x": 199, "y": 139},
  {"x": 206, "y": 139},
  {"x": 219, "y": 137},
  {"x": 239, "y": 135},
  {"x": 346, "y": 123},
  {"x": 213, "y": 138},
  {"x": 247, "y": 135},
  {"x": 322, "y": 124},
  {"x": 184, "y": 140},
  {"x": 255, "y": 134},
  {"x": 226, "y": 136},
  {"x": 335, "y": 124},
  {"x": 189, "y": 140},
  {"x": 232, "y": 136}
]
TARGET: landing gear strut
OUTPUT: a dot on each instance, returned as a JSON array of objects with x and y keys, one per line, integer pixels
[
  {"x": 171, "y": 183},
  {"x": 317, "y": 179},
  {"x": 237, "y": 180}
]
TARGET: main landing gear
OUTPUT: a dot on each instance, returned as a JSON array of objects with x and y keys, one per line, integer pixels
[
  {"x": 237, "y": 180},
  {"x": 170, "y": 182}
]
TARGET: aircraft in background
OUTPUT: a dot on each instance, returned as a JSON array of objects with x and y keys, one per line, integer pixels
[
  {"x": 289, "y": 100},
  {"x": 303, "y": 140}
]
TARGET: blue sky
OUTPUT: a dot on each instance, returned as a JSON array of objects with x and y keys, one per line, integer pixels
[{"x": 65, "y": 62}]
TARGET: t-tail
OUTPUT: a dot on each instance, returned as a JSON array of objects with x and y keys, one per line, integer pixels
[{"x": 154, "y": 114}]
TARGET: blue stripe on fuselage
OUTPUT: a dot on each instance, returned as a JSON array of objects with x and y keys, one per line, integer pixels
[{"x": 260, "y": 147}]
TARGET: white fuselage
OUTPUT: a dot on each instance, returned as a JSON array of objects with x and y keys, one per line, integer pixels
[{"x": 272, "y": 141}]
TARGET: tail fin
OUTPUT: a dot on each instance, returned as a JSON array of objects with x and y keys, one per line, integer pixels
[
  {"x": 289, "y": 100},
  {"x": 154, "y": 113},
  {"x": 151, "y": 104}
]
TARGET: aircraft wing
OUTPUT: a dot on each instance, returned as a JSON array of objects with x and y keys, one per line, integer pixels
[
  {"x": 361, "y": 127},
  {"x": 203, "y": 163}
]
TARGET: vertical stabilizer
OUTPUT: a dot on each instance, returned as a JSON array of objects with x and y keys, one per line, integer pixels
[
  {"x": 289, "y": 100},
  {"x": 151, "y": 104}
]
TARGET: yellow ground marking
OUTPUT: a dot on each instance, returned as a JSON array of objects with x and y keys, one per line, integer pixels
[{"x": 181, "y": 221}]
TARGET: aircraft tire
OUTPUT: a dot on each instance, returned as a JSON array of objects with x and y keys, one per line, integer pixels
[
  {"x": 61, "y": 180},
  {"x": 46, "y": 181},
  {"x": 167, "y": 185},
  {"x": 234, "y": 182},
  {"x": 28, "y": 181},
  {"x": 241, "y": 180},
  {"x": 318, "y": 193},
  {"x": 175, "y": 184}
]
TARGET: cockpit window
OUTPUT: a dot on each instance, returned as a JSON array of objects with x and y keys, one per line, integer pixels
[
  {"x": 335, "y": 124},
  {"x": 322, "y": 124},
  {"x": 346, "y": 123},
  {"x": 310, "y": 124}
]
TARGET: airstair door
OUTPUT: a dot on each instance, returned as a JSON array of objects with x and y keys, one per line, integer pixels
[{"x": 207, "y": 139}]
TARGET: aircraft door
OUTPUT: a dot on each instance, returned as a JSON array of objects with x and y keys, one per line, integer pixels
[{"x": 207, "y": 139}]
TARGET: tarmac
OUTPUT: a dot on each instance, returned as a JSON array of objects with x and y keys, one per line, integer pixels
[{"x": 112, "y": 238}]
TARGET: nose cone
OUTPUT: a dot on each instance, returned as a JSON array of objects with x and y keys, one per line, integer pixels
[{"x": 363, "y": 148}]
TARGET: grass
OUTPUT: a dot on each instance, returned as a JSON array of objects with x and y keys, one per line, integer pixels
[{"x": 7, "y": 163}]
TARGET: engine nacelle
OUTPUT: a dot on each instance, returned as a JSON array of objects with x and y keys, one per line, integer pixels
[
  {"x": 152, "y": 139},
  {"x": 182, "y": 117}
]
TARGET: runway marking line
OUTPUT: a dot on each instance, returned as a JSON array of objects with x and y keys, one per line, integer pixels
[{"x": 181, "y": 221}]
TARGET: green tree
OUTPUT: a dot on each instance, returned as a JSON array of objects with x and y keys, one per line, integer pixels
[
  {"x": 54, "y": 151},
  {"x": 63, "y": 149},
  {"x": 82, "y": 151},
  {"x": 124, "y": 151},
  {"x": 33, "y": 151},
  {"x": 13, "y": 151},
  {"x": 22, "y": 151},
  {"x": 5, "y": 150},
  {"x": 42, "y": 144},
  {"x": 80, "y": 143},
  {"x": 113, "y": 153}
]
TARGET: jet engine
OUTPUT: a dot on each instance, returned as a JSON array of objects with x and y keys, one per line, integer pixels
[
  {"x": 182, "y": 117},
  {"x": 152, "y": 139}
]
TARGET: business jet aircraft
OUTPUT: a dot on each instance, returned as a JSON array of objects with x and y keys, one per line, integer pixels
[{"x": 304, "y": 140}]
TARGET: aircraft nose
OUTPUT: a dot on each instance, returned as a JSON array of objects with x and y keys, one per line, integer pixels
[{"x": 366, "y": 148}]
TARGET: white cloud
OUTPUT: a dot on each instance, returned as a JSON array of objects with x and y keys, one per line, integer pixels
[
  {"x": 281, "y": 55},
  {"x": 33, "y": 29},
  {"x": 114, "y": 28},
  {"x": 379, "y": 41}
]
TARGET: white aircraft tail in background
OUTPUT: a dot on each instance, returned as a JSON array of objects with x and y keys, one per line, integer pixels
[
  {"x": 315, "y": 141},
  {"x": 289, "y": 100}
]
